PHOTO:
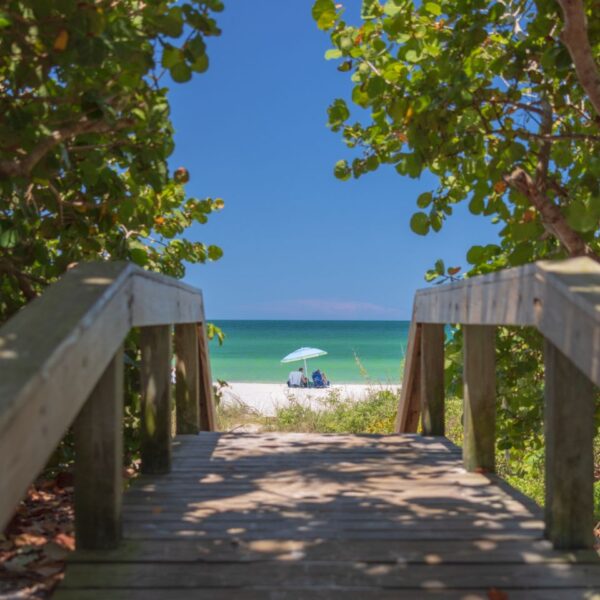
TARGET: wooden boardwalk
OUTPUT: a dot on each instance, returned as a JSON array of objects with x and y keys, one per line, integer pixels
[{"x": 306, "y": 516}]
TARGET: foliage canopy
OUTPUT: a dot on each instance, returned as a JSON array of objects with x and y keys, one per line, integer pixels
[
  {"x": 483, "y": 95},
  {"x": 86, "y": 134}
]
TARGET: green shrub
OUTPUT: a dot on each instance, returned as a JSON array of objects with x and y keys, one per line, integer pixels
[{"x": 375, "y": 413}]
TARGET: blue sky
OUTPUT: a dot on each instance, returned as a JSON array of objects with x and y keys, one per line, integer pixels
[{"x": 298, "y": 244}]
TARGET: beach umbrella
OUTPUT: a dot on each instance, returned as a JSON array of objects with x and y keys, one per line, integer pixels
[{"x": 303, "y": 354}]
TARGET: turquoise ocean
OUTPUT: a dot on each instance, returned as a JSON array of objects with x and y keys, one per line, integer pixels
[{"x": 358, "y": 351}]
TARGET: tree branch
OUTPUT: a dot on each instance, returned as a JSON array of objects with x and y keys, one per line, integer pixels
[
  {"x": 575, "y": 37},
  {"x": 541, "y": 170},
  {"x": 524, "y": 133},
  {"x": 24, "y": 280},
  {"x": 23, "y": 167},
  {"x": 550, "y": 214}
]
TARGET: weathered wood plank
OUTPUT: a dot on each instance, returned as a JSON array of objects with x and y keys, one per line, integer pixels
[
  {"x": 409, "y": 408},
  {"x": 288, "y": 575},
  {"x": 373, "y": 551},
  {"x": 98, "y": 433},
  {"x": 431, "y": 387},
  {"x": 160, "y": 300},
  {"x": 155, "y": 445},
  {"x": 207, "y": 402},
  {"x": 163, "y": 530},
  {"x": 569, "y": 432},
  {"x": 187, "y": 384},
  {"x": 327, "y": 593},
  {"x": 479, "y": 376},
  {"x": 502, "y": 298}
]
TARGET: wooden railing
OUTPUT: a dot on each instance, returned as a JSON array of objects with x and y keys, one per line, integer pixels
[
  {"x": 563, "y": 301},
  {"x": 62, "y": 363}
]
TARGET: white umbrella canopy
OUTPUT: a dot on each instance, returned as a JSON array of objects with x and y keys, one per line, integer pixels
[{"x": 303, "y": 354}]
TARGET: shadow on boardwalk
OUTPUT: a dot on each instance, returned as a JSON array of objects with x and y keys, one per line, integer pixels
[{"x": 282, "y": 516}]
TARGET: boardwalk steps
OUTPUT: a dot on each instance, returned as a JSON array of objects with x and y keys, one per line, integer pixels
[{"x": 282, "y": 516}]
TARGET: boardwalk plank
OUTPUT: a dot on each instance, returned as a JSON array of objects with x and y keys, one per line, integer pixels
[
  {"x": 289, "y": 575},
  {"x": 320, "y": 594},
  {"x": 326, "y": 517}
]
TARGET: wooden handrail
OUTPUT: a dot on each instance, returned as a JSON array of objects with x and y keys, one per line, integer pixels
[
  {"x": 63, "y": 352},
  {"x": 560, "y": 299}
]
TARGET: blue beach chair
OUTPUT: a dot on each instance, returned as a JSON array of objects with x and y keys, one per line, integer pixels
[{"x": 317, "y": 378}]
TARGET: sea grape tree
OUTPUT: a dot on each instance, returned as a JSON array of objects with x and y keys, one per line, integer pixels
[
  {"x": 484, "y": 95},
  {"x": 85, "y": 136},
  {"x": 500, "y": 101}
]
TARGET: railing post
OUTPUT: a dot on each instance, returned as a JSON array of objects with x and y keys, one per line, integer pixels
[
  {"x": 207, "y": 404},
  {"x": 479, "y": 377},
  {"x": 569, "y": 431},
  {"x": 155, "y": 342},
  {"x": 432, "y": 379},
  {"x": 187, "y": 385},
  {"x": 98, "y": 431}
]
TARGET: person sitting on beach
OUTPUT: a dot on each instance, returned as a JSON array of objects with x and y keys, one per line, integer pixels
[
  {"x": 319, "y": 379},
  {"x": 297, "y": 378}
]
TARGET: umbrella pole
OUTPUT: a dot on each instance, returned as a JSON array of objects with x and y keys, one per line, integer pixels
[{"x": 306, "y": 372}]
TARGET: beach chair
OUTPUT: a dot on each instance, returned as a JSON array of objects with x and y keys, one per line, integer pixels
[{"x": 317, "y": 378}]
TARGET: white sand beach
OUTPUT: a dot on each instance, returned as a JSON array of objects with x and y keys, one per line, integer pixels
[{"x": 265, "y": 397}]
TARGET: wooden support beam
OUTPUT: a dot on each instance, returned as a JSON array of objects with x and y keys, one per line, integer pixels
[
  {"x": 207, "y": 403},
  {"x": 98, "y": 431},
  {"x": 569, "y": 430},
  {"x": 187, "y": 384},
  {"x": 409, "y": 405},
  {"x": 432, "y": 379},
  {"x": 155, "y": 345},
  {"x": 479, "y": 376}
]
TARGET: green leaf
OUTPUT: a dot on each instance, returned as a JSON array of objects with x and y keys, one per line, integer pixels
[
  {"x": 424, "y": 199},
  {"x": 338, "y": 113},
  {"x": 375, "y": 87},
  {"x": 196, "y": 47},
  {"x": 342, "y": 170},
  {"x": 139, "y": 256},
  {"x": 391, "y": 9},
  {"x": 521, "y": 232},
  {"x": 419, "y": 223},
  {"x": 476, "y": 254},
  {"x": 433, "y": 8},
  {"x": 435, "y": 220},
  {"x": 580, "y": 217},
  {"x": 476, "y": 205},
  {"x": 440, "y": 269},
  {"x": 171, "y": 23},
  {"x": 324, "y": 13},
  {"x": 333, "y": 53},
  {"x": 4, "y": 20},
  {"x": 214, "y": 252},
  {"x": 171, "y": 56},
  {"x": 360, "y": 96},
  {"x": 181, "y": 72},
  {"x": 9, "y": 238},
  {"x": 200, "y": 64},
  {"x": 411, "y": 56}
]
